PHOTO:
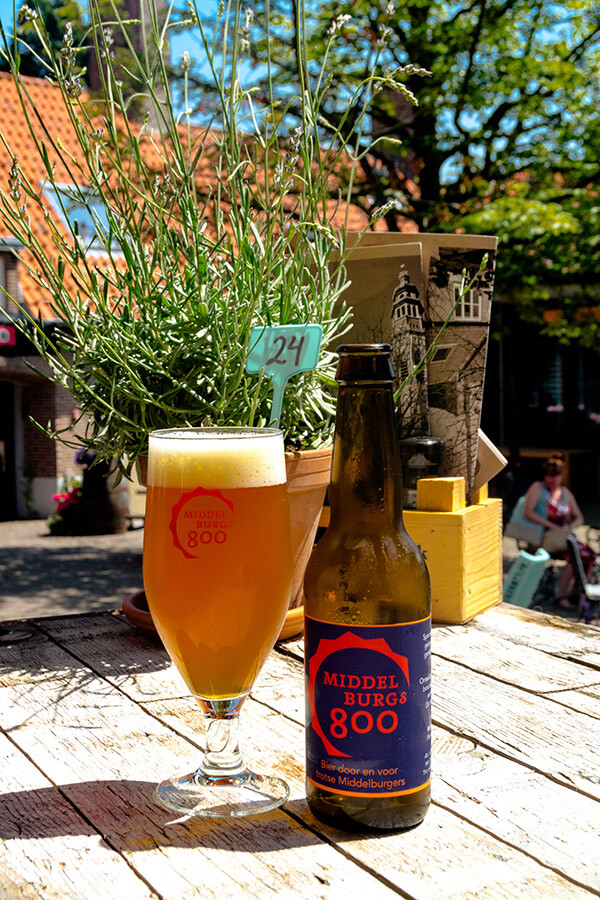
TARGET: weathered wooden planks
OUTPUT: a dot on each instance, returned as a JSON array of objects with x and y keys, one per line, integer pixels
[
  {"x": 106, "y": 754},
  {"x": 539, "y": 671},
  {"x": 547, "y": 736},
  {"x": 118, "y": 653},
  {"x": 47, "y": 850},
  {"x": 555, "y": 824},
  {"x": 493, "y": 793},
  {"x": 101, "y": 712},
  {"x": 281, "y": 687},
  {"x": 560, "y": 637}
]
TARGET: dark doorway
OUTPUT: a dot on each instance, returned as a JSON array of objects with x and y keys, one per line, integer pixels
[{"x": 8, "y": 487}]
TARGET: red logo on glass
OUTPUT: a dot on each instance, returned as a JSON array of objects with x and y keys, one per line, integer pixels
[{"x": 201, "y": 519}]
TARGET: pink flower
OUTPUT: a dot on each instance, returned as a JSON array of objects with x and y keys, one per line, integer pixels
[{"x": 66, "y": 500}]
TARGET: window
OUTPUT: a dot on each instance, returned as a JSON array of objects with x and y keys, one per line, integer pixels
[
  {"x": 444, "y": 396},
  {"x": 469, "y": 307},
  {"x": 83, "y": 211},
  {"x": 408, "y": 309},
  {"x": 441, "y": 354}
]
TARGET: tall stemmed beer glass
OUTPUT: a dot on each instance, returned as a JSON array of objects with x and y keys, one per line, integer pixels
[{"x": 217, "y": 575}]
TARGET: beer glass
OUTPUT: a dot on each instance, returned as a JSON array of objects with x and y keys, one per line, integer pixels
[{"x": 217, "y": 575}]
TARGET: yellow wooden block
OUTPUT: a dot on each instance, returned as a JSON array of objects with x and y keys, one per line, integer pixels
[
  {"x": 441, "y": 494},
  {"x": 463, "y": 551},
  {"x": 480, "y": 495}
]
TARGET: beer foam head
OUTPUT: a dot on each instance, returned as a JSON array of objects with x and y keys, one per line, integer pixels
[{"x": 216, "y": 458}]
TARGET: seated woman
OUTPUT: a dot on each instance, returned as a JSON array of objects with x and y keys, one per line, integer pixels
[{"x": 550, "y": 504}]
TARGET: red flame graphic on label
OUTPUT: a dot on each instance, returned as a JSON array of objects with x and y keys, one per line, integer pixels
[{"x": 345, "y": 642}]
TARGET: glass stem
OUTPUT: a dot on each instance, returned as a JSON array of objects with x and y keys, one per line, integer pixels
[{"x": 222, "y": 756}]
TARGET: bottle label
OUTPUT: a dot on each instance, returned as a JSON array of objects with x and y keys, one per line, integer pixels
[{"x": 368, "y": 707}]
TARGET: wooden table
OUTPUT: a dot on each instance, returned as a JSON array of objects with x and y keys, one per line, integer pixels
[{"x": 93, "y": 714}]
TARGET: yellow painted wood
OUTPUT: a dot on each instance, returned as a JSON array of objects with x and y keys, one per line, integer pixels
[
  {"x": 441, "y": 494},
  {"x": 463, "y": 554},
  {"x": 480, "y": 495}
]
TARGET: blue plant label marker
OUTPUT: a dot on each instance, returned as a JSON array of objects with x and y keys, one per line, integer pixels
[{"x": 281, "y": 351}]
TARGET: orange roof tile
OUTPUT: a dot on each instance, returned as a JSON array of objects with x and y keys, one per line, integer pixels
[{"x": 47, "y": 101}]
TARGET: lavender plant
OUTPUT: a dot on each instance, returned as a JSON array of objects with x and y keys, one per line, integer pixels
[{"x": 201, "y": 231}]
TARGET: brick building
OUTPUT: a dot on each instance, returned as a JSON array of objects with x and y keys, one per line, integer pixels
[{"x": 32, "y": 466}]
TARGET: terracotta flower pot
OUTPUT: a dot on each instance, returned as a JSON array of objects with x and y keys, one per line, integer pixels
[{"x": 308, "y": 473}]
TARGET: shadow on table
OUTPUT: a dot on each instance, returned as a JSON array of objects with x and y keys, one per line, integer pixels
[
  {"x": 124, "y": 813},
  {"x": 118, "y": 651}
]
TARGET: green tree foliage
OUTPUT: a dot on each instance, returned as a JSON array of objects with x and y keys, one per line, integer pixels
[
  {"x": 54, "y": 15},
  {"x": 66, "y": 29},
  {"x": 505, "y": 138}
]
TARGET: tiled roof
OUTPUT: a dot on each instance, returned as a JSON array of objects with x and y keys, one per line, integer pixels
[{"x": 47, "y": 101}]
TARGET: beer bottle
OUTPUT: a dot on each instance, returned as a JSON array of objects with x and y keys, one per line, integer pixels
[{"x": 368, "y": 622}]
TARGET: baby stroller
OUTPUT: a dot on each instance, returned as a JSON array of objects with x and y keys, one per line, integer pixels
[{"x": 589, "y": 594}]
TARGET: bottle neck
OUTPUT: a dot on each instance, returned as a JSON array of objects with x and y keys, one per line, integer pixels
[{"x": 366, "y": 483}]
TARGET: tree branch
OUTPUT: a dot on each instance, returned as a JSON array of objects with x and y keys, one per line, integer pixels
[{"x": 467, "y": 76}]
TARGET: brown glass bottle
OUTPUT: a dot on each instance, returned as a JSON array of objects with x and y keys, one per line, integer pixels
[{"x": 368, "y": 622}]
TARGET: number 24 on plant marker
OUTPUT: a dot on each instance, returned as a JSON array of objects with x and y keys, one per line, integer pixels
[{"x": 281, "y": 351}]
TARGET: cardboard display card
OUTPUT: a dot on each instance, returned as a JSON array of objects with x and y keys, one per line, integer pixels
[
  {"x": 386, "y": 293},
  {"x": 404, "y": 288}
]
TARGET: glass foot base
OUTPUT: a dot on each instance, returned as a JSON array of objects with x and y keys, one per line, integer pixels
[{"x": 246, "y": 794}]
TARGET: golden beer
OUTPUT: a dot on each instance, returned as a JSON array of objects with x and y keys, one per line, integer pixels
[{"x": 217, "y": 554}]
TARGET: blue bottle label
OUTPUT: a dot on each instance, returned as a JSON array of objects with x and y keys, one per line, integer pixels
[{"x": 368, "y": 707}]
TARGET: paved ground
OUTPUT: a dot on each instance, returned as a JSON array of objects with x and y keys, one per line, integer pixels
[{"x": 44, "y": 575}]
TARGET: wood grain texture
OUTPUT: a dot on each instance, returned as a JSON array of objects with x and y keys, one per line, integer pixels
[
  {"x": 480, "y": 495},
  {"x": 107, "y": 753},
  {"x": 47, "y": 850},
  {"x": 463, "y": 553},
  {"x": 547, "y": 736},
  {"x": 555, "y": 824},
  {"x": 558, "y": 636},
  {"x": 103, "y": 715},
  {"x": 441, "y": 494},
  {"x": 530, "y": 668}
]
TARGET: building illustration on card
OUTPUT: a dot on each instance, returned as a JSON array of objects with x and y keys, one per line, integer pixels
[
  {"x": 457, "y": 368},
  {"x": 404, "y": 287},
  {"x": 409, "y": 346}
]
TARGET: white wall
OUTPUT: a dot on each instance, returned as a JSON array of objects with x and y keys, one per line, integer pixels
[{"x": 43, "y": 489}]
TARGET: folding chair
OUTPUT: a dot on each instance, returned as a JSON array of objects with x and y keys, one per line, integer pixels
[{"x": 590, "y": 593}]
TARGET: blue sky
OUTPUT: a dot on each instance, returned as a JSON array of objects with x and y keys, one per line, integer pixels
[
  {"x": 6, "y": 8},
  {"x": 6, "y": 12},
  {"x": 179, "y": 43}
]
